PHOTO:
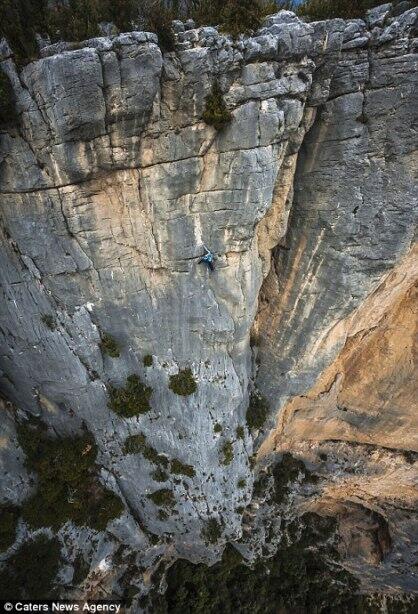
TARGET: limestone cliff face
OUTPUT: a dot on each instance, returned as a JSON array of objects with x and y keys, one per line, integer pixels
[{"x": 111, "y": 184}]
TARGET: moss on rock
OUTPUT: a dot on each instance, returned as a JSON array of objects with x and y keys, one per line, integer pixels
[{"x": 132, "y": 399}]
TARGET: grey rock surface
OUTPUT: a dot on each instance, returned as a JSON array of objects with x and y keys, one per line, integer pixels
[{"x": 112, "y": 184}]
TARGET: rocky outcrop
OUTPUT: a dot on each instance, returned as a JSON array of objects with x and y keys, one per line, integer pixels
[{"x": 111, "y": 183}]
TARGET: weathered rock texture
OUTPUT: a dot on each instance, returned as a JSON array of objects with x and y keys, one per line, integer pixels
[{"x": 110, "y": 186}]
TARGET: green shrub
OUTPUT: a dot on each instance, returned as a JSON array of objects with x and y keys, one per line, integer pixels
[
  {"x": 76, "y": 21},
  {"x": 123, "y": 13},
  {"x": 158, "y": 18},
  {"x": 284, "y": 474},
  {"x": 9, "y": 517},
  {"x": 300, "y": 577},
  {"x": 137, "y": 444},
  {"x": 329, "y": 9},
  {"x": 257, "y": 411},
  {"x": 227, "y": 453},
  {"x": 216, "y": 113},
  {"x": 109, "y": 346},
  {"x": 67, "y": 484},
  {"x": 207, "y": 12},
  {"x": 163, "y": 497},
  {"x": 19, "y": 21},
  {"x": 81, "y": 569},
  {"x": 243, "y": 16},
  {"x": 8, "y": 114},
  {"x": 104, "y": 508},
  {"x": 235, "y": 16},
  {"x": 159, "y": 475},
  {"x": 147, "y": 360},
  {"x": 240, "y": 432},
  {"x": 31, "y": 571},
  {"x": 212, "y": 531},
  {"x": 241, "y": 483},
  {"x": 183, "y": 383},
  {"x": 217, "y": 428},
  {"x": 131, "y": 400},
  {"x": 49, "y": 321},
  {"x": 180, "y": 468}
]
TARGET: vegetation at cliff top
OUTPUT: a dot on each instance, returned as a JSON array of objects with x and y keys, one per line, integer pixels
[
  {"x": 317, "y": 10},
  {"x": 67, "y": 486},
  {"x": 31, "y": 571},
  {"x": 78, "y": 20},
  {"x": 109, "y": 345},
  {"x": 9, "y": 516},
  {"x": 132, "y": 399},
  {"x": 183, "y": 383}
]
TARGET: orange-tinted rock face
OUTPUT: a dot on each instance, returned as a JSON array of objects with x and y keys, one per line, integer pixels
[{"x": 369, "y": 393}]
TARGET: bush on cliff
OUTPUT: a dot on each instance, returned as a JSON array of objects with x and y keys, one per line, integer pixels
[
  {"x": 257, "y": 411},
  {"x": 9, "y": 516},
  {"x": 298, "y": 578},
  {"x": 183, "y": 383},
  {"x": 131, "y": 400},
  {"x": 137, "y": 444},
  {"x": 216, "y": 113},
  {"x": 67, "y": 484},
  {"x": 8, "y": 113},
  {"x": 109, "y": 346},
  {"x": 31, "y": 571}
]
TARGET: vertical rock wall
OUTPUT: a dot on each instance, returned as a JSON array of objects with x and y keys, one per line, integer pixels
[{"x": 110, "y": 185}]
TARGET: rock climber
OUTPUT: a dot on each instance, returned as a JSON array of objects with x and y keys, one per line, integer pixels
[{"x": 208, "y": 259}]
